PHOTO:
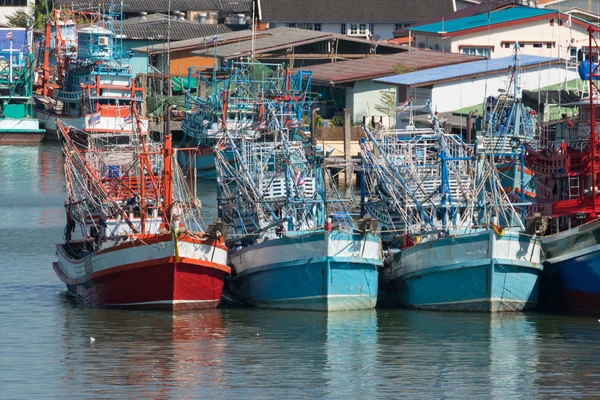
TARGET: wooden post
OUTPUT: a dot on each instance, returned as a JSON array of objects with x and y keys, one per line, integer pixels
[{"x": 348, "y": 149}]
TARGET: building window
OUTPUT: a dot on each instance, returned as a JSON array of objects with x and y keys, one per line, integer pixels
[
  {"x": 344, "y": 32},
  {"x": 477, "y": 51},
  {"x": 353, "y": 29},
  {"x": 421, "y": 45},
  {"x": 291, "y": 25},
  {"x": 318, "y": 27},
  {"x": 437, "y": 46},
  {"x": 552, "y": 22},
  {"x": 549, "y": 45},
  {"x": 13, "y": 3},
  {"x": 506, "y": 45},
  {"x": 401, "y": 26},
  {"x": 537, "y": 45},
  {"x": 560, "y": 22},
  {"x": 371, "y": 29},
  {"x": 362, "y": 29}
]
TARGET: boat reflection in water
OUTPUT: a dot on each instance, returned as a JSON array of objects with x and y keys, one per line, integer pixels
[
  {"x": 151, "y": 354},
  {"x": 459, "y": 355}
]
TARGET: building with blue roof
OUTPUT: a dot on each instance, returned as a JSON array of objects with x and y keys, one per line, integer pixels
[
  {"x": 463, "y": 85},
  {"x": 539, "y": 32}
]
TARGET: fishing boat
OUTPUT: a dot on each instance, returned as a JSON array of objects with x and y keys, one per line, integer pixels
[
  {"x": 461, "y": 244},
  {"x": 93, "y": 91},
  {"x": 134, "y": 236},
  {"x": 17, "y": 124},
  {"x": 293, "y": 243},
  {"x": 568, "y": 204},
  {"x": 242, "y": 99}
]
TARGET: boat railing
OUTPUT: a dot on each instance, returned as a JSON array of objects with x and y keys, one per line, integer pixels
[
  {"x": 276, "y": 187},
  {"x": 67, "y": 96}
]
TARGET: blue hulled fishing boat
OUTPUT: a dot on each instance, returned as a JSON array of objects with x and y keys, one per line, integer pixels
[
  {"x": 293, "y": 244},
  {"x": 462, "y": 245}
]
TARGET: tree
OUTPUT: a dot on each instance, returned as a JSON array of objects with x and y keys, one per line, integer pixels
[
  {"x": 36, "y": 15},
  {"x": 387, "y": 104},
  {"x": 19, "y": 19}
]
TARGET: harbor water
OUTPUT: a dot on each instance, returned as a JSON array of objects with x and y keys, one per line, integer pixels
[{"x": 46, "y": 350}]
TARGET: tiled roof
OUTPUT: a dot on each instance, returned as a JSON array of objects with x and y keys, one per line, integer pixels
[
  {"x": 156, "y": 27},
  {"x": 232, "y": 6},
  {"x": 367, "y": 11}
]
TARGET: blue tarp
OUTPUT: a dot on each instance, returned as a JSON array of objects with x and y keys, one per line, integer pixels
[{"x": 19, "y": 41}]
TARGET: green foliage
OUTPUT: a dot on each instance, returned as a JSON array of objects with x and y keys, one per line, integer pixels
[
  {"x": 399, "y": 68},
  {"x": 387, "y": 104},
  {"x": 37, "y": 15},
  {"x": 337, "y": 121},
  {"x": 318, "y": 120},
  {"x": 19, "y": 19}
]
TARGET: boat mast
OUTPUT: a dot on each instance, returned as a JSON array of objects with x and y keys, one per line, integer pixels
[{"x": 593, "y": 140}]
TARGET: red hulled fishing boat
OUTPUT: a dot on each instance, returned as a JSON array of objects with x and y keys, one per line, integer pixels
[
  {"x": 134, "y": 236},
  {"x": 566, "y": 171}
]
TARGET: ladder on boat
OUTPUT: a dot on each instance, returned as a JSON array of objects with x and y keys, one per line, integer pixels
[{"x": 574, "y": 187}]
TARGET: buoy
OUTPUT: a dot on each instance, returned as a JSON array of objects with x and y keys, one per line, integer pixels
[
  {"x": 92, "y": 339},
  {"x": 257, "y": 334}
]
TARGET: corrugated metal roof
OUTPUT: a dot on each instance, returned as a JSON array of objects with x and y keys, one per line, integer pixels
[
  {"x": 374, "y": 67},
  {"x": 347, "y": 11},
  {"x": 480, "y": 20},
  {"x": 277, "y": 37},
  {"x": 156, "y": 27},
  {"x": 483, "y": 67},
  {"x": 200, "y": 42},
  {"x": 236, "y": 44}
]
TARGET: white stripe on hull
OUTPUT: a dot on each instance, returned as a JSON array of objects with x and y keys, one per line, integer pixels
[
  {"x": 144, "y": 303},
  {"x": 483, "y": 245},
  {"x": 279, "y": 252},
  {"x": 99, "y": 262}
]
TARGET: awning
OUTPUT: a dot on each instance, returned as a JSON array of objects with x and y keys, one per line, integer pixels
[{"x": 181, "y": 84}]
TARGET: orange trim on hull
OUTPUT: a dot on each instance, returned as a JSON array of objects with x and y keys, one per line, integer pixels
[{"x": 166, "y": 261}]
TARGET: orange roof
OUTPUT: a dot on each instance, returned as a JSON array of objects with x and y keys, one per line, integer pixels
[{"x": 400, "y": 40}]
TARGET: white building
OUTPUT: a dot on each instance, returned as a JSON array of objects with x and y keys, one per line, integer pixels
[
  {"x": 540, "y": 32},
  {"x": 349, "y": 84},
  {"x": 9, "y": 7},
  {"x": 455, "y": 87},
  {"x": 367, "y": 19}
]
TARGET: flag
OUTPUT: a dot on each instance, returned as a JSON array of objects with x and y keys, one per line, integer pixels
[
  {"x": 127, "y": 119},
  {"x": 403, "y": 106},
  {"x": 298, "y": 178},
  {"x": 499, "y": 231},
  {"x": 262, "y": 126},
  {"x": 94, "y": 119},
  {"x": 293, "y": 123},
  {"x": 8, "y": 36},
  {"x": 569, "y": 21}
]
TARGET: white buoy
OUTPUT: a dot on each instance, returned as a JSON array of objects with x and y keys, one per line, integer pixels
[
  {"x": 92, "y": 339},
  {"x": 257, "y": 334}
]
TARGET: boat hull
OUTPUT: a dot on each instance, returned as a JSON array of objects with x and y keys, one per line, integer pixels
[
  {"x": 481, "y": 272},
  {"x": 574, "y": 256},
  {"x": 158, "y": 273},
  {"x": 317, "y": 271},
  {"x": 20, "y": 131}
]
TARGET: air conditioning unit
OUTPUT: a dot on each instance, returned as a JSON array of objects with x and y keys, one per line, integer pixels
[{"x": 103, "y": 41}]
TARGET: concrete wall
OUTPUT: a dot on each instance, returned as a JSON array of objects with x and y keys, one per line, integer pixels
[
  {"x": 139, "y": 61},
  {"x": 568, "y": 4},
  {"x": 385, "y": 31},
  {"x": 455, "y": 95},
  {"x": 365, "y": 96},
  {"x": 538, "y": 31}
]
